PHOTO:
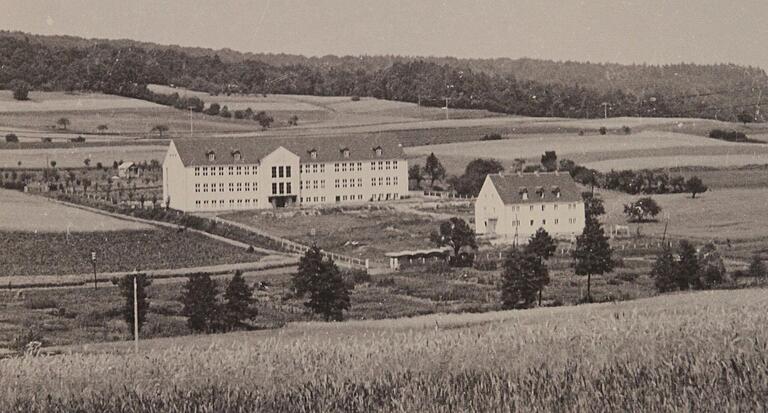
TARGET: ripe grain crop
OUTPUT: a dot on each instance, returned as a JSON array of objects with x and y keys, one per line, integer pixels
[{"x": 694, "y": 352}]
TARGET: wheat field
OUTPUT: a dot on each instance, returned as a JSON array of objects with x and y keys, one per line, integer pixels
[{"x": 703, "y": 351}]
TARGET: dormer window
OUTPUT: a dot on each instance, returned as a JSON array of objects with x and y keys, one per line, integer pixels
[
  {"x": 345, "y": 152},
  {"x": 556, "y": 191},
  {"x": 540, "y": 191},
  {"x": 313, "y": 153},
  {"x": 211, "y": 156},
  {"x": 236, "y": 155},
  {"x": 524, "y": 193},
  {"x": 378, "y": 150}
]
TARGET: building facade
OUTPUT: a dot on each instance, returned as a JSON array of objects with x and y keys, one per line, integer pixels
[
  {"x": 514, "y": 207},
  {"x": 255, "y": 173}
]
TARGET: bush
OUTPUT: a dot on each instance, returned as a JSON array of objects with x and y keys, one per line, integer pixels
[
  {"x": 355, "y": 98},
  {"x": 11, "y": 138},
  {"x": 603, "y": 130},
  {"x": 626, "y": 129},
  {"x": 491, "y": 137},
  {"x": 730, "y": 136}
]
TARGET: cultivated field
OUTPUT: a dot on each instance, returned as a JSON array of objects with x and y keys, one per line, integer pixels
[
  {"x": 22, "y": 212},
  {"x": 62, "y": 101},
  {"x": 697, "y": 351},
  {"x": 46, "y": 253},
  {"x": 73, "y": 157}
]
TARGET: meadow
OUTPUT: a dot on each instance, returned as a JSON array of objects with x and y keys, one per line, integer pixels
[
  {"x": 23, "y": 212},
  {"x": 73, "y": 156},
  {"x": 692, "y": 351}
]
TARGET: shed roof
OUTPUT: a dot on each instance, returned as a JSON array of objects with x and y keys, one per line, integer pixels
[
  {"x": 194, "y": 151},
  {"x": 511, "y": 188}
]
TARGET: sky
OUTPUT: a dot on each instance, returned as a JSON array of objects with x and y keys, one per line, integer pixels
[{"x": 623, "y": 31}]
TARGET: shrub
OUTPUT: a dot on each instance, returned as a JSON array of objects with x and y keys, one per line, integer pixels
[
  {"x": 730, "y": 136},
  {"x": 626, "y": 129},
  {"x": 491, "y": 137},
  {"x": 603, "y": 130},
  {"x": 40, "y": 303},
  {"x": 355, "y": 98},
  {"x": 11, "y": 138}
]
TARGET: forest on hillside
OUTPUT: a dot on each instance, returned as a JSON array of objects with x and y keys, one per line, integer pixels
[{"x": 515, "y": 86}]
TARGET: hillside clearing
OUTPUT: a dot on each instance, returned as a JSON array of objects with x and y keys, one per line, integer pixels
[{"x": 659, "y": 354}]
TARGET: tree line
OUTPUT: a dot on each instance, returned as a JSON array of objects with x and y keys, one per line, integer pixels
[{"x": 558, "y": 89}]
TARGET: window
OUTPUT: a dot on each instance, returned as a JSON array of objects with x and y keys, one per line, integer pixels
[
  {"x": 197, "y": 203},
  {"x": 314, "y": 184},
  {"x": 344, "y": 167},
  {"x": 557, "y": 221},
  {"x": 322, "y": 184},
  {"x": 246, "y": 170},
  {"x": 381, "y": 165},
  {"x": 205, "y": 187},
  {"x": 255, "y": 186},
  {"x": 280, "y": 172},
  {"x": 239, "y": 170},
  {"x": 231, "y": 170},
  {"x": 373, "y": 181},
  {"x": 373, "y": 166},
  {"x": 274, "y": 171},
  {"x": 388, "y": 164},
  {"x": 197, "y": 187},
  {"x": 531, "y": 222},
  {"x": 359, "y": 182},
  {"x": 394, "y": 164},
  {"x": 213, "y": 187},
  {"x": 221, "y": 171},
  {"x": 531, "y": 207},
  {"x": 211, "y": 156},
  {"x": 378, "y": 151},
  {"x": 359, "y": 166},
  {"x": 322, "y": 168},
  {"x": 287, "y": 171},
  {"x": 288, "y": 188},
  {"x": 221, "y": 187},
  {"x": 395, "y": 181},
  {"x": 525, "y": 196},
  {"x": 205, "y": 171},
  {"x": 336, "y": 183},
  {"x": 281, "y": 187},
  {"x": 313, "y": 154},
  {"x": 557, "y": 194},
  {"x": 345, "y": 153},
  {"x": 274, "y": 188},
  {"x": 542, "y": 207},
  {"x": 239, "y": 187},
  {"x": 543, "y": 222},
  {"x": 381, "y": 181},
  {"x": 344, "y": 183},
  {"x": 236, "y": 155},
  {"x": 389, "y": 181},
  {"x": 231, "y": 187},
  {"x": 336, "y": 167},
  {"x": 314, "y": 168},
  {"x": 197, "y": 171}
]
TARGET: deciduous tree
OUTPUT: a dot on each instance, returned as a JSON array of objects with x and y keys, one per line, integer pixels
[
  {"x": 434, "y": 169},
  {"x": 521, "y": 278},
  {"x": 642, "y": 210},
  {"x": 415, "y": 174},
  {"x": 456, "y": 234},
  {"x": 664, "y": 270},
  {"x": 695, "y": 186}
]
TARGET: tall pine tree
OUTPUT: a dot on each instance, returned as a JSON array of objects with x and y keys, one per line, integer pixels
[
  {"x": 688, "y": 266},
  {"x": 664, "y": 270},
  {"x": 521, "y": 278},
  {"x": 238, "y": 298},
  {"x": 322, "y": 281},
  {"x": 199, "y": 298},
  {"x": 593, "y": 253},
  {"x": 543, "y": 246}
]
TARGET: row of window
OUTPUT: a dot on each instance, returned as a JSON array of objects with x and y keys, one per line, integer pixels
[
  {"x": 544, "y": 222},
  {"x": 233, "y": 187},
  {"x": 543, "y": 207},
  {"x": 343, "y": 166},
  {"x": 541, "y": 195},
  {"x": 281, "y": 171},
  {"x": 231, "y": 170},
  {"x": 313, "y": 168},
  {"x": 312, "y": 199},
  {"x": 314, "y": 184},
  {"x": 221, "y": 203},
  {"x": 382, "y": 182},
  {"x": 281, "y": 188}
]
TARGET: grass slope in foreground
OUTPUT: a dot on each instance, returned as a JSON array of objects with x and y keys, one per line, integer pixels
[{"x": 694, "y": 352}]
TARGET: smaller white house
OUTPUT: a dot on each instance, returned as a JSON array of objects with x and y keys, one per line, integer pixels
[
  {"x": 127, "y": 169},
  {"x": 514, "y": 207}
]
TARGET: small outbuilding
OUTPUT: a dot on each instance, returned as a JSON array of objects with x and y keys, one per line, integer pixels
[
  {"x": 410, "y": 257},
  {"x": 127, "y": 169}
]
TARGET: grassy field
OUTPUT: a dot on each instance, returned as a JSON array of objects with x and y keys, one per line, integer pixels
[
  {"x": 699, "y": 351},
  {"x": 41, "y": 253},
  {"x": 64, "y": 101},
  {"x": 720, "y": 214},
  {"x": 22, "y": 212}
]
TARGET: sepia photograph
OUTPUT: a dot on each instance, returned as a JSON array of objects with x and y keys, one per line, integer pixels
[{"x": 383, "y": 206}]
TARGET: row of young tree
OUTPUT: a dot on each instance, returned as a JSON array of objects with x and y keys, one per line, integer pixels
[
  {"x": 209, "y": 310},
  {"x": 722, "y": 91}
]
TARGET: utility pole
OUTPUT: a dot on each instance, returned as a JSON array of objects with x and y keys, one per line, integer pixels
[
  {"x": 190, "y": 122},
  {"x": 605, "y": 109},
  {"x": 93, "y": 261},
  {"x": 135, "y": 312},
  {"x": 757, "y": 108}
]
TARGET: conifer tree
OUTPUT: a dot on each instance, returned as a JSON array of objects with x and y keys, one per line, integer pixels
[
  {"x": 521, "y": 278},
  {"x": 238, "y": 298},
  {"x": 664, "y": 270},
  {"x": 322, "y": 281},
  {"x": 199, "y": 298},
  {"x": 543, "y": 246},
  {"x": 593, "y": 254},
  {"x": 688, "y": 266}
]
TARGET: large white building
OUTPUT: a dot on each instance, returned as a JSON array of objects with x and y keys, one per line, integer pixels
[
  {"x": 209, "y": 174},
  {"x": 513, "y": 207}
]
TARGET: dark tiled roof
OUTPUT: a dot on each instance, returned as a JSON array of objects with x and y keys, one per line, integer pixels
[
  {"x": 193, "y": 151},
  {"x": 511, "y": 188}
]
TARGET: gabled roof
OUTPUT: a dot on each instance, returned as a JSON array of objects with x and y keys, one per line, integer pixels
[
  {"x": 192, "y": 151},
  {"x": 512, "y": 187}
]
